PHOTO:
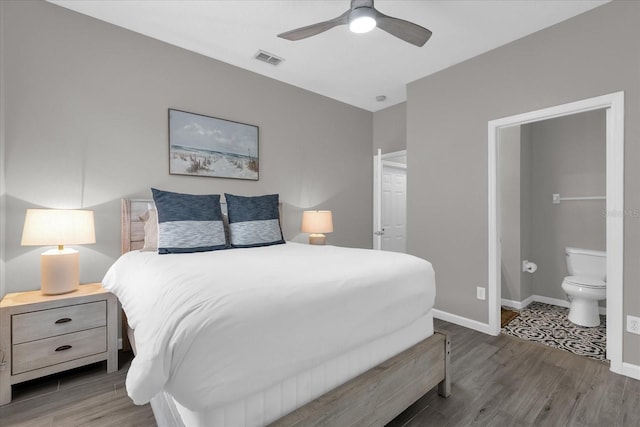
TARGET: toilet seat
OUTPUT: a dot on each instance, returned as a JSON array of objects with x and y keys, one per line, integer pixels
[{"x": 585, "y": 282}]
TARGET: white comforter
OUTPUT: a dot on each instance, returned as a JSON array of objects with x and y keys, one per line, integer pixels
[{"x": 214, "y": 327}]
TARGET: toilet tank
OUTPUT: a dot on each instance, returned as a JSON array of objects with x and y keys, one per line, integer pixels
[{"x": 586, "y": 262}]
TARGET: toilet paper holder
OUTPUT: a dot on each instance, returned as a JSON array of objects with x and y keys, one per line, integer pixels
[{"x": 529, "y": 267}]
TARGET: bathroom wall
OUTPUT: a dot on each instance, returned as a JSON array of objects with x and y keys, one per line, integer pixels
[
  {"x": 510, "y": 206},
  {"x": 515, "y": 211},
  {"x": 565, "y": 156},
  {"x": 526, "y": 216},
  {"x": 568, "y": 157}
]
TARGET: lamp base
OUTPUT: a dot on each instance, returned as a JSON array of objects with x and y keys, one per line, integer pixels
[
  {"x": 59, "y": 271},
  {"x": 317, "y": 239}
]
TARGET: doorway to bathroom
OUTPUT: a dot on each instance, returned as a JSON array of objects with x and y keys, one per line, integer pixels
[
  {"x": 552, "y": 197},
  {"x": 566, "y": 218},
  {"x": 390, "y": 201}
]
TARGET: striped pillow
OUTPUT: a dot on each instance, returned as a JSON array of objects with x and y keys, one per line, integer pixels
[
  {"x": 188, "y": 222},
  {"x": 253, "y": 221}
]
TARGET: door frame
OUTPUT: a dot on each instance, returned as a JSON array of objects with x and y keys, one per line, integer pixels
[
  {"x": 379, "y": 160},
  {"x": 614, "y": 105}
]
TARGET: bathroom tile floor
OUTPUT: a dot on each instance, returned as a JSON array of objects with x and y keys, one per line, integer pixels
[{"x": 548, "y": 324}]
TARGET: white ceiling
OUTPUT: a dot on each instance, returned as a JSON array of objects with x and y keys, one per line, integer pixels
[{"x": 352, "y": 68}]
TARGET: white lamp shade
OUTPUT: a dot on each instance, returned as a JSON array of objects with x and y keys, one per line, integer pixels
[
  {"x": 317, "y": 222},
  {"x": 49, "y": 227}
]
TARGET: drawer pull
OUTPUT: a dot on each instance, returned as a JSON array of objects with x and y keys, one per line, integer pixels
[
  {"x": 63, "y": 320},
  {"x": 63, "y": 348}
]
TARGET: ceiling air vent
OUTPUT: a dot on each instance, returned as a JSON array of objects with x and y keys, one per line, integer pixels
[{"x": 267, "y": 57}]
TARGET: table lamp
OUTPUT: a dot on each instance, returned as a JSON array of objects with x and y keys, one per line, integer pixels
[
  {"x": 316, "y": 223},
  {"x": 58, "y": 227}
]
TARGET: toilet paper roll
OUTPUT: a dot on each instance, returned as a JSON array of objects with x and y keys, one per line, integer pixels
[{"x": 529, "y": 267}]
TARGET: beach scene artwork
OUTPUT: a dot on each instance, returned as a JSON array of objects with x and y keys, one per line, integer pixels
[{"x": 207, "y": 146}]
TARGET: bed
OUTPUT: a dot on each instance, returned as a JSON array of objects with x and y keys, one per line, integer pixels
[{"x": 377, "y": 361}]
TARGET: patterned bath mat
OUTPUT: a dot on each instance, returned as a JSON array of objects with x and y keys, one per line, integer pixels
[{"x": 548, "y": 324}]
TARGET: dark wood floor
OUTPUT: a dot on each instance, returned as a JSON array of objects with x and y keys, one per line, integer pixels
[
  {"x": 497, "y": 381},
  {"x": 505, "y": 381}
]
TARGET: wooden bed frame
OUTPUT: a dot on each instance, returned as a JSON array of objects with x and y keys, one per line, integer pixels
[{"x": 373, "y": 398}]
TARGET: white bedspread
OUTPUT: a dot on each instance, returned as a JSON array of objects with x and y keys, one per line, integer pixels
[{"x": 214, "y": 327}]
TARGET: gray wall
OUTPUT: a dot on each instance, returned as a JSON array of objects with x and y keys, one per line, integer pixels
[
  {"x": 569, "y": 159},
  {"x": 3, "y": 191},
  {"x": 566, "y": 156},
  {"x": 509, "y": 147},
  {"x": 526, "y": 209},
  {"x": 390, "y": 129},
  {"x": 514, "y": 163},
  {"x": 447, "y": 115},
  {"x": 86, "y": 124}
]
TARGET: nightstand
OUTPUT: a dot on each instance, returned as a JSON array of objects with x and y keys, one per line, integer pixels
[{"x": 44, "y": 334}]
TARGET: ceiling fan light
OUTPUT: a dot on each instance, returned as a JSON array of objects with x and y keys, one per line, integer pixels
[{"x": 361, "y": 20}]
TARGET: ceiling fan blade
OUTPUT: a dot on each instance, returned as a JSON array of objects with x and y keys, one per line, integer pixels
[
  {"x": 312, "y": 30},
  {"x": 405, "y": 30}
]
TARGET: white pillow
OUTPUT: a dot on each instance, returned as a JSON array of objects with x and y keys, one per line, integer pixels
[{"x": 150, "y": 219}]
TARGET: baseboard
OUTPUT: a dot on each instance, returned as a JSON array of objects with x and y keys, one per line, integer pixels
[
  {"x": 553, "y": 301},
  {"x": 528, "y": 300},
  {"x": 462, "y": 321},
  {"x": 518, "y": 305},
  {"x": 630, "y": 370}
]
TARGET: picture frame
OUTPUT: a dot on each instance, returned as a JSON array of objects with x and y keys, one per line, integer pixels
[{"x": 208, "y": 146}]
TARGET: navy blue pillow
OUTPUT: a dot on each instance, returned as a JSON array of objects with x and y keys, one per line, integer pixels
[
  {"x": 253, "y": 221},
  {"x": 188, "y": 222}
]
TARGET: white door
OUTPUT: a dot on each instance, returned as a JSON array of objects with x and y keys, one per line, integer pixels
[
  {"x": 390, "y": 202},
  {"x": 393, "y": 209},
  {"x": 377, "y": 205}
]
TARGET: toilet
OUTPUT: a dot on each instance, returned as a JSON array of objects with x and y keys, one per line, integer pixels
[{"x": 585, "y": 285}]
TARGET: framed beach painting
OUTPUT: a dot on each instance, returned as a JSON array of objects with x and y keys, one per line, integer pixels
[{"x": 207, "y": 146}]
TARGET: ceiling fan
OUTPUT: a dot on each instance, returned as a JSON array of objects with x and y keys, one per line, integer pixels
[{"x": 362, "y": 17}]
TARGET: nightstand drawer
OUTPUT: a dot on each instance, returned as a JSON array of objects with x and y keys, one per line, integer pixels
[
  {"x": 50, "y": 351},
  {"x": 57, "y": 321}
]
